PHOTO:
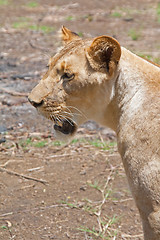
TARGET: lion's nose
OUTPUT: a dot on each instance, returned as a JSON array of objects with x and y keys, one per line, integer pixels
[{"x": 35, "y": 104}]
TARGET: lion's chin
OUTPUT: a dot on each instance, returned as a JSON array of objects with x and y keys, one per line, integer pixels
[
  {"x": 65, "y": 131},
  {"x": 66, "y": 127}
]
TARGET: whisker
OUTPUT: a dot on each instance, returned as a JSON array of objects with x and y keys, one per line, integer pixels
[
  {"x": 72, "y": 121},
  {"x": 73, "y": 114},
  {"x": 68, "y": 109},
  {"x": 57, "y": 118},
  {"x": 46, "y": 54},
  {"x": 81, "y": 113},
  {"x": 67, "y": 119},
  {"x": 69, "y": 113},
  {"x": 64, "y": 116},
  {"x": 52, "y": 117}
]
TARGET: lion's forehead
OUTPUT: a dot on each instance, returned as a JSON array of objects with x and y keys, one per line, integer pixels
[{"x": 70, "y": 53}]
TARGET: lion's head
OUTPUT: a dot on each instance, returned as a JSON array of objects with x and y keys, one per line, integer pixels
[{"x": 77, "y": 85}]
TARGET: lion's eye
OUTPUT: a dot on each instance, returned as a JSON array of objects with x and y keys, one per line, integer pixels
[{"x": 67, "y": 76}]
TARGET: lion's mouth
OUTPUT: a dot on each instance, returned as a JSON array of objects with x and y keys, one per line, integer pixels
[{"x": 65, "y": 126}]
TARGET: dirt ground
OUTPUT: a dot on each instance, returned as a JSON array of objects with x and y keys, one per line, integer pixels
[{"x": 50, "y": 190}]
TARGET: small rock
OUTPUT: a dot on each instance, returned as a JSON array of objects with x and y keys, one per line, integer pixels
[
  {"x": 91, "y": 125},
  {"x": 3, "y": 129},
  {"x": 83, "y": 172},
  {"x": 2, "y": 140},
  {"x": 14, "y": 101},
  {"x": 83, "y": 188},
  {"x": 128, "y": 19}
]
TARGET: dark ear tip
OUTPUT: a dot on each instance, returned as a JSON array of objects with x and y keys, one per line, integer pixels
[
  {"x": 63, "y": 28},
  {"x": 75, "y": 34}
]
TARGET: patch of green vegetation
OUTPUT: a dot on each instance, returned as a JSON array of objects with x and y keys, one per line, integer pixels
[
  {"x": 89, "y": 208},
  {"x": 96, "y": 143},
  {"x": 94, "y": 232},
  {"x": 158, "y": 12},
  {"x": 4, "y": 2},
  {"x": 103, "y": 145},
  {"x": 40, "y": 144},
  {"x": 128, "y": 12},
  {"x": 89, "y": 17},
  {"x": 25, "y": 23},
  {"x": 80, "y": 34},
  {"x": 150, "y": 57},
  {"x": 70, "y": 18},
  {"x": 57, "y": 143},
  {"x": 71, "y": 205},
  {"x": 78, "y": 140},
  {"x": 125, "y": 12},
  {"x": 116, "y": 14},
  {"x": 22, "y": 22},
  {"x": 158, "y": 9},
  {"x": 156, "y": 60},
  {"x": 134, "y": 34},
  {"x": 105, "y": 229},
  {"x": 19, "y": 25},
  {"x": 95, "y": 185},
  {"x": 113, "y": 220},
  {"x": 43, "y": 28},
  {"x": 32, "y": 4},
  {"x": 75, "y": 140},
  {"x": 30, "y": 142},
  {"x": 4, "y": 227}
]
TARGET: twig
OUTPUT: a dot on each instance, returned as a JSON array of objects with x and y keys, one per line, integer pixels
[
  {"x": 86, "y": 238},
  {"x": 6, "y": 163},
  {"x": 104, "y": 228},
  {"x": 5, "y": 215},
  {"x": 131, "y": 236},
  {"x": 35, "y": 169},
  {"x": 102, "y": 203},
  {"x": 122, "y": 200},
  {"x": 14, "y": 93},
  {"x": 31, "y": 210},
  {"x": 21, "y": 175},
  {"x": 58, "y": 156}
]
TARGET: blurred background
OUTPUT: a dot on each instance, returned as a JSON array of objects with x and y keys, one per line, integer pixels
[
  {"x": 29, "y": 36},
  {"x": 80, "y": 174}
]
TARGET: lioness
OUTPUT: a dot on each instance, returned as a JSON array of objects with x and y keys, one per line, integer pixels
[{"x": 97, "y": 79}]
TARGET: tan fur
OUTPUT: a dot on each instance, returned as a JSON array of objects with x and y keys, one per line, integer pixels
[{"x": 111, "y": 85}]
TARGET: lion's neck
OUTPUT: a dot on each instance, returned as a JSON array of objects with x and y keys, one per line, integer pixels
[
  {"x": 135, "y": 106},
  {"x": 129, "y": 88},
  {"x": 133, "y": 90},
  {"x": 135, "y": 77},
  {"x": 128, "y": 93}
]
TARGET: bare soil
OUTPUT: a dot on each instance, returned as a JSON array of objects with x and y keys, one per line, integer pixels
[{"x": 49, "y": 190}]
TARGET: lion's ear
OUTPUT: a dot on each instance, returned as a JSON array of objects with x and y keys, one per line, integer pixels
[
  {"x": 104, "y": 54},
  {"x": 68, "y": 36}
]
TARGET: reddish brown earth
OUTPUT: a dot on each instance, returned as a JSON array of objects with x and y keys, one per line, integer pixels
[{"x": 75, "y": 191}]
